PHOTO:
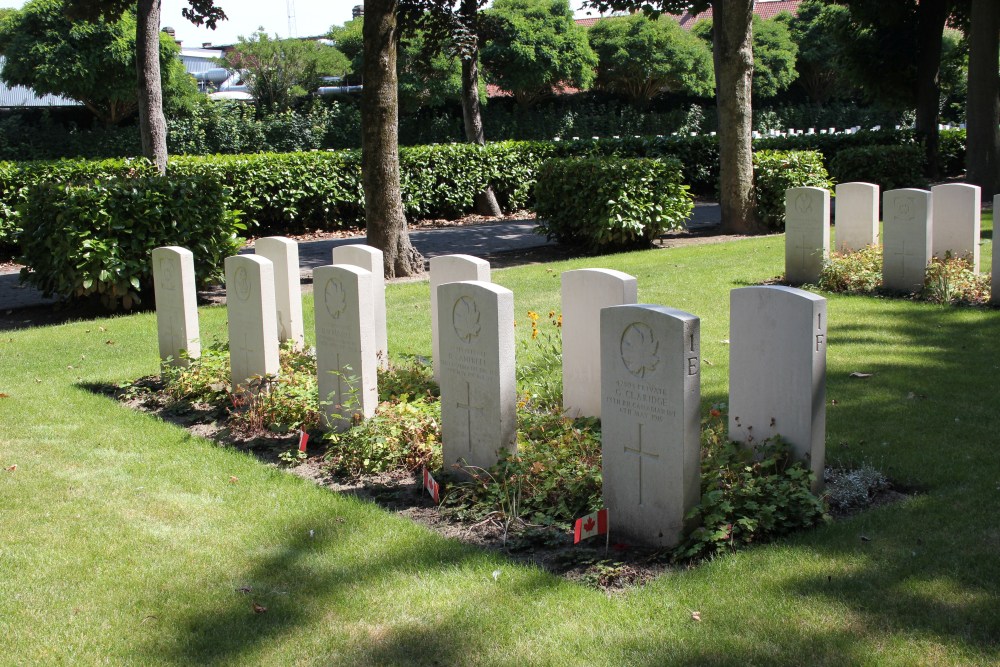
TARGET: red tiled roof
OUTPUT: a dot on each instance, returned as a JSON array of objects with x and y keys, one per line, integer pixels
[{"x": 766, "y": 9}]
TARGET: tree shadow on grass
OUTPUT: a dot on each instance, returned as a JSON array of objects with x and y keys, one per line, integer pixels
[{"x": 320, "y": 583}]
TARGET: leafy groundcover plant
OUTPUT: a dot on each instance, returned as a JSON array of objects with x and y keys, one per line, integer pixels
[
  {"x": 749, "y": 495},
  {"x": 949, "y": 280}
]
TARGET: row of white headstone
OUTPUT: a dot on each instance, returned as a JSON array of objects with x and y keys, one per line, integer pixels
[
  {"x": 638, "y": 367},
  {"x": 918, "y": 225}
]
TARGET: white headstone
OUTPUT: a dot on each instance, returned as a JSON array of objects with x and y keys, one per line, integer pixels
[
  {"x": 451, "y": 269},
  {"x": 584, "y": 293},
  {"x": 807, "y": 233},
  {"x": 995, "y": 266},
  {"x": 857, "y": 216},
  {"x": 651, "y": 392},
  {"x": 253, "y": 323},
  {"x": 176, "y": 304},
  {"x": 370, "y": 259},
  {"x": 478, "y": 394},
  {"x": 284, "y": 255},
  {"x": 956, "y": 213},
  {"x": 346, "y": 363},
  {"x": 906, "y": 238},
  {"x": 777, "y": 370}
]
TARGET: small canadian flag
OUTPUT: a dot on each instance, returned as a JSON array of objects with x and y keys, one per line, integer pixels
[
  {"x": 432, "y": 487},
  {"x": 303, "y": 439},
  {"x": 590, "y": 525}
]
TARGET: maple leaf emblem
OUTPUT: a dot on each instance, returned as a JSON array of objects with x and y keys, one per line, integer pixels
[
  {"x": 334, "y": 298},
  {"x": 589, "y": 526},
  {"x": 639, "y": 349},
  {"x": 465, "y": 317}
]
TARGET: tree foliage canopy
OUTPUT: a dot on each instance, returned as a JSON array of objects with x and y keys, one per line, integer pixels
[
  {"x": 641, "y": 57},
  {"x": 532, "y": 45},
  {"x": 774, "y": 54},
  {"x": 277, "y": 71},
  {"x": 820, "y": 64},
  {"x": 91, "y": 62},
  {"x": 427, "y": 77}
]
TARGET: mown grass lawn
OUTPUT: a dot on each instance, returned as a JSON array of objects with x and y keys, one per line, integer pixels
[{"x": 124, "y": 540}]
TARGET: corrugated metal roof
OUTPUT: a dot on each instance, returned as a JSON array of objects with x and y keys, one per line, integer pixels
[{"x": 19, "y": 96}]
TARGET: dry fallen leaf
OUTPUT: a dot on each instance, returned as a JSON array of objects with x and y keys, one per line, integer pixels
[
  {"x": 696, "y": 616},
  {"x": 12, "y": 468},
  {"x": 259, "y": 608},
  {"x": 244, "y": 589},
  {"x": 3, "y": 395},
  {"x": 859, "y": 374},
  {"x": 233, "y": 479},
  {"x": 109, "y": 342}
]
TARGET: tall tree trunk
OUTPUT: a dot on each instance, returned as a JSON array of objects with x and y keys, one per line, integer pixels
[
  {"x": 983, "y": 110},
  {"x": 732, "y": 49},
  {"x": 486, "y": 201},
  {"x": 152, "y": 124},
  {"x": 384, "y": 217},
  {"x": 931, "y": 17}
]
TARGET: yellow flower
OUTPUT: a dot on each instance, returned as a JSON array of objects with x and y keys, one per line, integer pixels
[
  {"x": 559, "y": 321},
  {"x": 534, "y": 334},
  {"x": 533, "y": 316},
  {"x": 552, "y": 314}
]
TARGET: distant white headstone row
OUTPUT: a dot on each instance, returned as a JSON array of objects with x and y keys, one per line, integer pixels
[
  {"x": 917, "y": 226},
  {"x": 637, "y": 366}
]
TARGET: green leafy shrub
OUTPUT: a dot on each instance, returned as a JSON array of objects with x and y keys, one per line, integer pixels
[
  {"x": 404, "y": 434},
  {"x": 554, "y": 477},
  {"x": 951, "y": 148},
  {"x": 204, "y": 379},
  {"x": 852, "y": 490},
  {"x": 947, "y": 280},
  {"x": 413, "y": 377},
  {"x": 775, "y": 172},
  {"x": 749, "y": 494},
  {"x": 283, "y": 402},
  {"x": 610, "y": 203},
  {"x": 953, "y": 280},
  {"x": 96, "y": 240},
  {"x": 857, "y": 272},
  {"x": 890, "y": 167},
  {"x": 17, "y": 179}
]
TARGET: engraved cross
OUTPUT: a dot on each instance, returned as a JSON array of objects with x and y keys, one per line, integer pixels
[
  {"x": 638, "y": 451},
  {"x": 469, "y": 408}
]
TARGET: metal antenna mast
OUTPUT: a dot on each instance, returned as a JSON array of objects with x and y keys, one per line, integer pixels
[{"x": 292, "y": 28}]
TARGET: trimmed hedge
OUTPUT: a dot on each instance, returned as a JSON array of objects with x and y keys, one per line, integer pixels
[
  {"x": 890, "y": 167},
  {"x": 296, "y": 192},
  {"x": 16, "y": 179},
  {"x": 95, "y": 240},
  {"x": 775, "y": 172},
  {"x": 610, "y": 203}
]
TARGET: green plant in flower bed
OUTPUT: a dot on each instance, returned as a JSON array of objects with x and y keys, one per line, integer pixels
[
  {"x": 410, "y": 377},
  {"x": 749, "y": 493},
  {"x": 402, "y": 434},
  {"x": 279, "y": 403},
  {"x": 539, "y": 371},
  {"x": 554, "y": 477},
  {"x": 284, "y": 402},
  {"x": 203, "y": 379},
  {"x": 953, "y": 280},
  {"x": 853, "y": 272},
  {"x": 948, "y": 280}
]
